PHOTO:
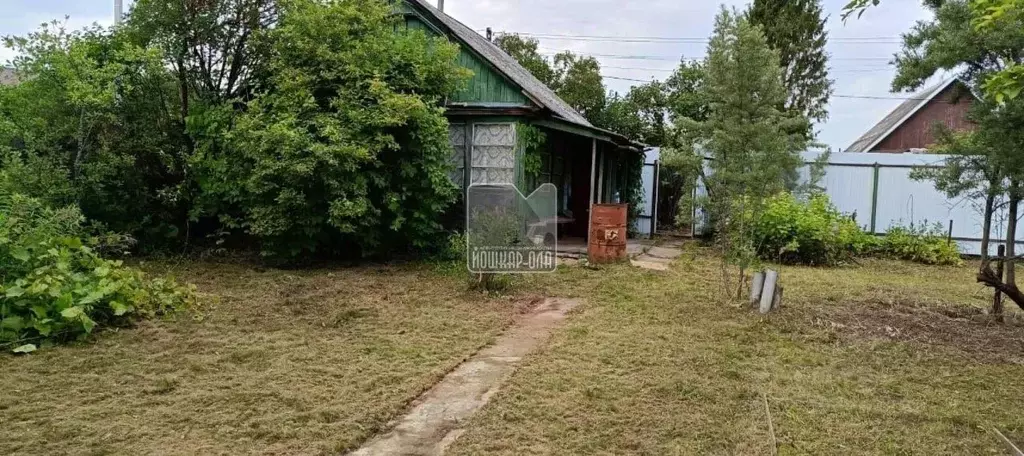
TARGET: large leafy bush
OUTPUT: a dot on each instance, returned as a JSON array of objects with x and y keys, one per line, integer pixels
[
  {"x": 55, "y": 287},
  {"x": 814, "y": 232},
  {"x": 807, "y": 232},
  {"x": 924, "y": 243},
  {"x": 92, "y": 124},
  {"x": 347, "y": 150}
]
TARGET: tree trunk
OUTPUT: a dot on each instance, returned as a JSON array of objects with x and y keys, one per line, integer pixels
[
  {"x": 986, "y": 230},
  {"x": 1007, "y": 284}
]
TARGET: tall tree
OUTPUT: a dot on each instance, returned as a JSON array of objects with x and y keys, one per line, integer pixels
[
  {"x": 212, "y": 45},
  {"x": 578, "y": 81},
  {"x": 796, "y": 29},
  {"x": 575, "y": 78},
  {"x": 1008, "y": 82},
  {"x": 952, "y": 42},
  {"x": 525, "y": 51},
  {"x": 640, "y": 114},
  {"x": 752, "y": 143}
]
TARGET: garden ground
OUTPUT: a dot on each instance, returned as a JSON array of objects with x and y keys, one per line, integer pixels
[{"x": 881, "y": 357}]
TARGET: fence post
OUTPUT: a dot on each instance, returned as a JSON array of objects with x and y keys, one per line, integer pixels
[
  {"x": 997, "y": 299},
  {"x": 874, "y": 198}
]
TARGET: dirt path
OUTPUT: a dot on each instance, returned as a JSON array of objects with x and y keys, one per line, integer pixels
[{"x": 435, "y": 418}]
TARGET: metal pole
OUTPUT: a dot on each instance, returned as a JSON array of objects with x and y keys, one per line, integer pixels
[
  {"x": 119, "y": 11},
  {"x": 593, "y": 177},
  {"x": 997, "y": 299},
  {"x": 654, "y": 202},
  {"x": 600, "y": 178},
  {"x": 440, "y": 5},
  {"x": 874, "y": 198}
]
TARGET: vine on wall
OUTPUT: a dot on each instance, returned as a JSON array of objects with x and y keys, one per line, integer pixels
[
  {"x": 632, "y": 187},
  {"x": 533, "y": 141}
]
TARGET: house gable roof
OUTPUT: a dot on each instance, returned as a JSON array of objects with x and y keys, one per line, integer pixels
[
  {"x": 506, "y": 65},
  {"x": 898, "y": 117}
]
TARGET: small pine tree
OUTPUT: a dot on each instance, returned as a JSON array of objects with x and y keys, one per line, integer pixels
[{"x": 748, "y": 145}]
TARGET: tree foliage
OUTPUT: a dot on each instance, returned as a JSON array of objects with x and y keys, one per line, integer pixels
[
  {"x": 348, "y": 145},
  {"x": 985, "y": 163},
  {"x": 525, "y": 51},
  {"x": 91, "y": 124},
  {"x": 796, "y": 28},
  {"x": 746, "y": 137},
  {"x": 1008, "y": 82}
]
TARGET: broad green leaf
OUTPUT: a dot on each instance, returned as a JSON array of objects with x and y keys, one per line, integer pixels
[
  {"x": 21, "y": 255},
  {"x": 119, "y": 308},
  {"x": 72, "y": 313},
  {"x": 15, "y": 291},
  {"x": 40, "y": 310},
  {"x": 88, "y": 324},
  {"x": 13, "y": 323},
  {"x": 24, "y": 349}
]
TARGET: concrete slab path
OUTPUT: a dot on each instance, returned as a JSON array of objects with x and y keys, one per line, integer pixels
[
  {"x": 660, "y": 257},
  {"x": 434, "y": 420}
]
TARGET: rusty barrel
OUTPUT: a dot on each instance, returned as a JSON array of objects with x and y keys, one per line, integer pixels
[{"x": 607, "y": 242}]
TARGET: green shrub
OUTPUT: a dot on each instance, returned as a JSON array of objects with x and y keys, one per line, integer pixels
[
  {"x": 812, "y": 232},
  {"x": 922, "y": 244},
  {"x": 348, "y": 162},
  {"x": 54, "y": 287}
]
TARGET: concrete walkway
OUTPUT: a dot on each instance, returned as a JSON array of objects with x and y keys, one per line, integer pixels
[
  {"x": 434, "y": 420},
  {"x": 660, "y": 257}
]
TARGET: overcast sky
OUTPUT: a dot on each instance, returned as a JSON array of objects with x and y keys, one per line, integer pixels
[{"x": 860, "y": 49}]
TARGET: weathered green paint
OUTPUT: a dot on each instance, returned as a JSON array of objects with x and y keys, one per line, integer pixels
[{"x": 487, "y": 85}]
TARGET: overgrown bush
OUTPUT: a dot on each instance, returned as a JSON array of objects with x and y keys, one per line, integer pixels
[
  {"x": 814, "y": 232},
  {"x": 54, "y": 287},
  {"x": 922, "y": 244},
  {"x": 346, "y": 151},
  {"x": 810, "y": 232}
]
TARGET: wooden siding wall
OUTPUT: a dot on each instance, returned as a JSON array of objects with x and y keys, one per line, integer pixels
[
  {"x": 486, "y": 85},
  {"x": 918, "y": 131}
]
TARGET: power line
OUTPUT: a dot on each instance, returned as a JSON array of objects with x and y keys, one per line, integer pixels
[
  {"x": 681, "y": 39},
  {"x": 874, "y": 97},
  {"x": 549, "y": 51},
  {"x": 831, "y": 70}
]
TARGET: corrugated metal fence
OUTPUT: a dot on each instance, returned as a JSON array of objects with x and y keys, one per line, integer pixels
[{"x": 878, "y": 190}]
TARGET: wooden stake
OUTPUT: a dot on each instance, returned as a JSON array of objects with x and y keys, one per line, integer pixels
[
  {"x": 997, "y": 298},
  {"x": 1014, "y": 450},
  {"x": 771, "y": 427}
]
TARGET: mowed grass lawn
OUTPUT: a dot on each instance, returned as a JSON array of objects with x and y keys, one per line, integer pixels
[
  {"x": 281, "y": 362},
  {"x": 882, "y": 358}
]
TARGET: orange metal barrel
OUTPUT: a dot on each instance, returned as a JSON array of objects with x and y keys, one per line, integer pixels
[{"x": 607, "y": 233}]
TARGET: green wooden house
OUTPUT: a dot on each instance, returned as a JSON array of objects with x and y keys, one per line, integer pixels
[{"x": 584, "y": 162}]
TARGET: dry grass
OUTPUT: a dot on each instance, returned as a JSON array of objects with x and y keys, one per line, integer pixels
[
  {"x": 863, "y": 360},
  {"x": 282, "y": 362},
  {"x": 886, "y": 357}
]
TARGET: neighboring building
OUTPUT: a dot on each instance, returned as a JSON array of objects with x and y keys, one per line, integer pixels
[
  {"x": 8, "y": 76},
  {"x": 910, "y": 127},
  {"x": 502, "y": 94}
]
